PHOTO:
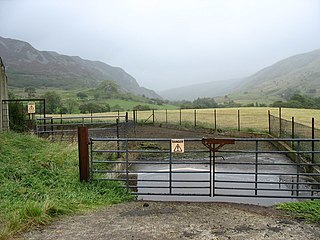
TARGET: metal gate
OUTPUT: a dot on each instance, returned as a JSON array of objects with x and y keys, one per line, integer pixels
[
  {"x": 245, "y": 167},
  {"x": 17, "y": 115}
]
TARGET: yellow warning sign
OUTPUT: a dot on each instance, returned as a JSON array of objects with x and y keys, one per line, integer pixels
[
  {"x": 31, "y": 107},
  {"x": 177, "y": 145}
]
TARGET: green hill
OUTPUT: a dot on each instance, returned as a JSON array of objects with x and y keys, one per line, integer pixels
[{"x": 29, "y": 67}]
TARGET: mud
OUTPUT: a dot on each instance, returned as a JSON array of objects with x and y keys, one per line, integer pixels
[{"x": 175, "y": 220}]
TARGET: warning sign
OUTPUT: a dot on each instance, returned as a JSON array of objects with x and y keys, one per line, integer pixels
[
  {"x": 31, "y": 107},
  {"x": 177, "y": 145}
]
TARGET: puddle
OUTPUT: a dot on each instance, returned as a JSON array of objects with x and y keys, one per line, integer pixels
[{"x": 228, "y": 179}]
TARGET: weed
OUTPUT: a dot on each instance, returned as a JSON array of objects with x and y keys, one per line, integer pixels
[{"x": 39, "y": 181}]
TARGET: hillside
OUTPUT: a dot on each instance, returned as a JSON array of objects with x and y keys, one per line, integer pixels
[
  {"x": 299, "y": 73},
  {"x": 296, "y": 74},
  {"x": 29, "y": 67},
  {"x": 210, "y": 89}
]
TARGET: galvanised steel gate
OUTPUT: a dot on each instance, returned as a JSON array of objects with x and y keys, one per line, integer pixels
[{"x": 245, "y": 167}]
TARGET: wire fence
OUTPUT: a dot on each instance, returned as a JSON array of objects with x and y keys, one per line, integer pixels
[
  {"x": 217, "y": 119},
  {"x": 283, "y": 128}
]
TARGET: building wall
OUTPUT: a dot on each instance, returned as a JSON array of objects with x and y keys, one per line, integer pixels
[{"x": 4, "y": 121}]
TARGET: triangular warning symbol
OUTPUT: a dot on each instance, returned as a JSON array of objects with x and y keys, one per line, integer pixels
[{"x": 177, "y": 148}]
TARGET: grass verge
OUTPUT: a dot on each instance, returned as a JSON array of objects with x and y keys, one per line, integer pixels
[
  {"x": 308, "y": 210},
  {"x": 39, "y": 181}
]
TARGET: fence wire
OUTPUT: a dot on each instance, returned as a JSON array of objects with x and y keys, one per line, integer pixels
[{"x": 283, "y": 128}]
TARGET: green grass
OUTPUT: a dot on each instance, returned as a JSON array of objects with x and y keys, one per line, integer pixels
[
  {"x": 39, "y": 180},
  {"x": 66, "y": 95},
  {"x": 308, "y": 210}
]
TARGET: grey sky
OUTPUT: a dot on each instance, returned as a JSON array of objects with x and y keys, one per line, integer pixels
[{"x": 168, "y": 43}]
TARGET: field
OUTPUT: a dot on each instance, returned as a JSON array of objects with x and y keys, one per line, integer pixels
[
  {"x": 255, "y": 118},
  {"x": 251, "y": 118}
]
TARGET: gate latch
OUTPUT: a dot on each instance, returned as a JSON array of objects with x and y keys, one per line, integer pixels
[{"x": 211, "y": 142}]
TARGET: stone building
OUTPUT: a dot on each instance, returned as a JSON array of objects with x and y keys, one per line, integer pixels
[{"x": 4, "y": 114}]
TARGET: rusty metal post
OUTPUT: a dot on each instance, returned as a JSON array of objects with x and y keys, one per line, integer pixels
[{"x": 83, "y": 153}]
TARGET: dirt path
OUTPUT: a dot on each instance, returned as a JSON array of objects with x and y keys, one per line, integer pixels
[
  {"x": 168, "y": 220},
  {"x": 174, "y": 220}
]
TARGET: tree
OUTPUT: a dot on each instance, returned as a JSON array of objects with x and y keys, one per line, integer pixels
[
  {"x": 205, "y": 103},
  {"x": 71, "y": 105},
  {"x": 53, "y": 102},
  {"x": 93, "y": 107},
  {"x": 31, "y": 91},
  {"x": 82, "y": 95}
]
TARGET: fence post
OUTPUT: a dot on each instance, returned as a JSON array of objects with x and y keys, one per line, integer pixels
[
  {"x": 312, "y": 143},
  {"x": 280, "y": 127},
  {"x": 83, "y": 153},
  {"x": 166, "y": 116},
  {"x": 153, "y": 116},
  {"x": 134, "y": 115},
  {"x": 239, "y": 120},
  {"x": 180, "y": 116},
  {"x": 91, "y": 116},
  {"x": 137, "y": 116},
  {"x": 292, "y": 131},
  {"x": 269, "y": 121},
  {"x": 51, "y": 122},
  {"x": 215, "y": 120},
  {"x": 127, "y": 117},
  {"x": 195, "y": 118},
  {"x": 118, "y": 135}
]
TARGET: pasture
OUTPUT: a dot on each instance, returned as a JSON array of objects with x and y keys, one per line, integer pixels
[{"x": 251, "y": 118}]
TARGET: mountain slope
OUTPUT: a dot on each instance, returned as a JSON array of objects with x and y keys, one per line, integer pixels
[
  {"x": 296, "y": 74},
  {"x": 209, "y": 89},
  {"x": 29, "y": 67},
  {"x": 299, "y": 73}
]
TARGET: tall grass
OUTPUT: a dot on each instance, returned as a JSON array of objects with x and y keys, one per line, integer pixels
[
  {"x": 39, "y": 181},
  {"x": 308, "y": 210}
]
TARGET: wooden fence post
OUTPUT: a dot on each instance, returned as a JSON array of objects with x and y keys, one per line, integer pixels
[
  {"x": 195, "y": 118},
  {"x": 292, "y": 131},
  {"x": 215, "y": 120},
  {"x": 134, "y": 116},
  {"x": 83, "y": 153},
  {"x": 166, "y": 116},
  {"x": 269, "y": 121},
  {"x": 239, "y": 120},
  {"x": 312, "y": 143},
  {"x": 280, "y": 123}
]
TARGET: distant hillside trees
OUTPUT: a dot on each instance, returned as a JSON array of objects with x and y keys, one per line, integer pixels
[
  {"x": 82, "y": 95},
  {"x": 93, "y": 108},
  {"x": 206, "y": 103},
  {"x": 53, "y": 102},
  {"x": 31, "y": 91},
  {"x": 299, "y": 101}
]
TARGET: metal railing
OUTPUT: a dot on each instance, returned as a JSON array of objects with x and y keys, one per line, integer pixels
[
  {"x": 252, "y": 167},
  {"x": 65, "y": 128}
]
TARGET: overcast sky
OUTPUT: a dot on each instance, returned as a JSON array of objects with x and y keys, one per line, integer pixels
[{"x": 168, "y": 43}]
